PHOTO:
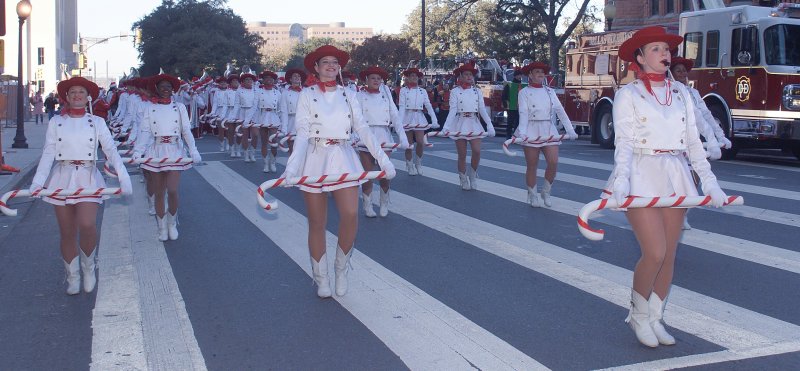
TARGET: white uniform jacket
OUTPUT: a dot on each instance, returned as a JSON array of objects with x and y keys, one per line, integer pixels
[
  {"x": 467, "y": 103},
  {"x": 269, "y": 108},
  {"x": 413, "y": 100},
  {"x": 288, "y": 109}
]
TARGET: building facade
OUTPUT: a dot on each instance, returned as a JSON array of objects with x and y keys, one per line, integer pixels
[
  {"x": 282, "y": 36},
  {"x": 641, "y": 13},
  {"x": 48, "y": 36}
]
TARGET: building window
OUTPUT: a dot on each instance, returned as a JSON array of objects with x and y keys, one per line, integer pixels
[
  {"x": 693, "y": 47},
  {"x": 744, "y": 47},
  {"x": 712, "y": 48},
  {"x": 654, "y": 7},
  {"x": 670, "y": 6},
  {"x": 40, "y": 53},
  {"x": 686, "y": 6}
]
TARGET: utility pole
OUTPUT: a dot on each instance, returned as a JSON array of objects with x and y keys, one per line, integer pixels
[{"x": 422, "y": 61}]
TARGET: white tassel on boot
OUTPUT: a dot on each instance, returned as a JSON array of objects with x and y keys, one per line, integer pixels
[
  {"x": 418, "y": 165},
  {"x": 546, "y": 188},
  {"x": 73, "y": 276},
  {"x": 88, "y": 268},
  {"x": 172, "y": 225},
  {"x": 473, "y": 178},
  {"x": 464, "y": 181},
  {"x": 639, "y": 320},
  {"x": 366, "y": 200},
  {"x": 162, "y": 228},
  {"x": 656, "y": 307},
  {"x": 340, "y": 268},
  {"x": 533, "y": 197},
  {"x": 151, "y": 205},
  {"x": 320, "y": 273},
  {"x": 410, "y": 168},
  {"x": 384, "y": 210}
]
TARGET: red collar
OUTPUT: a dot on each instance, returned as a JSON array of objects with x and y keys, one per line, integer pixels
[
  {"x": 157, "y": 100},
  {"x": 267, "y": 87},
  {"x": 73, "y": 111},
  {"x": 465, "y": 86},
  {"x": 296, "y": 88},
  {"x": 535, "y": 85},
  {"x": 411, "y": 85},
  {"x": 376, "y": 91}
]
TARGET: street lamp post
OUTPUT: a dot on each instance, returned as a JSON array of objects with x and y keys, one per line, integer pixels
[
  {"x": 23, "y": 11},
  {"x": 422, "y": 61},
  {"x": 609, "y": 13}
]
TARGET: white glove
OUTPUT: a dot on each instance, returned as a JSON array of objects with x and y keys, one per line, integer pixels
[
  {"x": 387, "y": 166},
  {"x": 725, "y": 142},
  {"x": 571, "y": 134},
  {"x": 125, "y": 183},
  {"x": 713, "y": 153},
  {"x": 490, "y": 130},
  {"x": 297, "y": 158},
  {"x": 621, "y": 190},
  {"x": 196, "y": 156},
  {"x": 34, "y": 187},
  {"x": 404, "y": 142},
  {"x": 435, "y": 125},
  {"x": 718, "y": 197}
]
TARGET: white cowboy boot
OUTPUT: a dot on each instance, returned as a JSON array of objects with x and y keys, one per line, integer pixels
[
  {"x": 151, "y": 205},
  {"x": 227, "y": 145},
  {"x": 473, "y": 178},
  {"x": 410, "y": 168},
  {"x": 367, "y": 201},
  {"x": 267, "y": 168},
  {"x": 222, "y": 146},
  {"x": 533, "y": 197},
  {"x": 546, "y": 193},
  {"x": 656, "y": 307},
  {"x": 384, "y": 210},
  {"x": 639, "y": 320},
  {"x": 73, "y": 276},
  {"x": 233, "y": 150},
  {"x": 418, "y": 165},
  {"x": 320, "y": 273},
  {"x": 464, "y": 181},
  {"x": 88, "y": 267},
  {"x": 172, "y": 225},
  {"x": 340, "y": 267},
  {"x": 273, "y": 163},
  {"x": 686, "y": 225},
  {"x": 162, "y": 228}
]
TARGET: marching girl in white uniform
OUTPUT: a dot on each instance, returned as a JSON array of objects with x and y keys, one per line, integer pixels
[
  {"x": 231, "y": 115},
  {"x": 538, "y": 104},
  {"x": 379, "y": 113},
  {"x": 289, "y": 98},
  {"x": 71, "y": 141},
  {"x": 165, "y": 123},
  {"x": 654, "y": 124},
  {"x": 270, "y": 118},
  {"x": 246, "y": 112},
  {"x": 466, "y": 103},
  {"x": 219, "y": 106},
  {"x": 413, "y": 99},
  {"x": 327, "y": 114}
]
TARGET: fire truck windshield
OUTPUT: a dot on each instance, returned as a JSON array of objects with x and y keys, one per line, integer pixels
[{"x": 782, "y": 45}]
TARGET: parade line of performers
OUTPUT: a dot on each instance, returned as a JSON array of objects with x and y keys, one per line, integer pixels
[{"x": 332, "y": 127}]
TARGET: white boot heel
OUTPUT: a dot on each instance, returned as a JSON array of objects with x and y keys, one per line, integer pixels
[
  {"x": 639, "y": 320},
  {"x": 320, "y": 272},
  {"x": 340, "y": 267},
  {"x": 88, "y": 268}
]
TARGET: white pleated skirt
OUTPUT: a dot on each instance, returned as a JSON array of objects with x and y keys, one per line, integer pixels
[
  {"x": 165, "y": 150},
  {"x": 414, "y": 118},
  {"x": 270, "y": 119},
  {"x": 662, "y": 175},
  {"x": 71, "y": 177},
  {"x": 466, "y": 125},
  {"x": 382, "y": 135},
  {"x": 543, "y": 129},
  {"x": 321, "y": 159}
]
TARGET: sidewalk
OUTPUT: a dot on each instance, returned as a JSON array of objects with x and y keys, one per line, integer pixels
[{"x": 24, "y": 159}]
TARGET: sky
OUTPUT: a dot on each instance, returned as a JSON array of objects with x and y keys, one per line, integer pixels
[{"x": 97, "y": 19}]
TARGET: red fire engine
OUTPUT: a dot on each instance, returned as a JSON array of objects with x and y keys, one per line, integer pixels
[{"x": 747, "y": 68}]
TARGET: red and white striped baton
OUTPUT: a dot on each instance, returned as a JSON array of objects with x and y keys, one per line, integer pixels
[
  {"x": 55, "y": 192},
  {"x": 309, "y": 180},
  {"x": 641, "y": 202}
]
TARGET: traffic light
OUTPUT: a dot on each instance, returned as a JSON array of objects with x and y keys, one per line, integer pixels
[
  {"x": 83, "y": 62},
  {"x": 2, "y": 17}
]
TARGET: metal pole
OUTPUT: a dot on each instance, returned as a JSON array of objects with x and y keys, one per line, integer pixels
[
  {"x": 19, "y": 140},
  {"x": 422, "y": 62}
]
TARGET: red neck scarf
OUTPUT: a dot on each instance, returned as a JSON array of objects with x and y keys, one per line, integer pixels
[
  {"x": 647, "y": 77},
  {"x": 296, "y": 88},
  {"x": 535, "y": 85},
  {"x": 326, "y": 84},
  {"x": 73, "y": 111},
  {"x": 376, "y": 91},
  {"x": 158, "y": 100},
  {"x": 465, "y": 85},
  {"x": 267, "y": 87},
  {"x": 411, "y": 85}
]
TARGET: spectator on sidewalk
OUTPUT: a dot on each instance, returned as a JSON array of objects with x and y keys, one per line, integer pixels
[
  {"x": 50, "y": 106},
  {"x": 38, "y": 107}
]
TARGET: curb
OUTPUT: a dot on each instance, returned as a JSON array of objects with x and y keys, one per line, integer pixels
[{"x": 22, "y": 177}]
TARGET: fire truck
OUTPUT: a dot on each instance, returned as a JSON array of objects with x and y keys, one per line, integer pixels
[{"x": 747, "y": 68}]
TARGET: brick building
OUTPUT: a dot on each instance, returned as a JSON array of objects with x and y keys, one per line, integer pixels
[{"x": 639, "y": 13}]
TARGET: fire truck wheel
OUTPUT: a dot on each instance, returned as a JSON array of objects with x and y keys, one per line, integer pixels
[
  {"x": 718, "y": 111},
  {"x": 604, "y": 126}
]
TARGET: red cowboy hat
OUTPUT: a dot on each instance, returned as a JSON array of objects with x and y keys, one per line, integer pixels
[
  {"x": 645, "y": 36},
  {"x": 414, "y": 71},
  {"x": 268, "y": 73},
  {"x": 91, "y": 88},
  {"x": 153, "y": 81},
  {"x": 688, "y": 63},
  {"x": 348, "y": 74},
  {"x": 293, "y": 71},
  {"x": 468, "y": 67},
  {"x": 325, "y": 51},
  {"x": 221, "y": 79},
  {"x": 245, "y": 75},
  {"x": 232, "y": 77},
  {"x": 534, "y": 65},
  {"x": 374, "y": 70}
]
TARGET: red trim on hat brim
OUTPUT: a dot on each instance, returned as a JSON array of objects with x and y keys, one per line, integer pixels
[
  {"x": 293, "y": 71},
  {"x": 91, "y": 88},
  {"x": 246, "y": 75},
  {"x": 465, "y": 68},
  {"x": 325, "y": 51},
  {"x": 532, "y": 66},
  {"x": 154, "y": 80},
  {"x": 644, "y": 37},
  {"x": 414, "y": 71},
  {"x": 375, "y": 70}
]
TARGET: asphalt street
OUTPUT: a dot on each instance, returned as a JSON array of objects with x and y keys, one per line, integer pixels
[{"x": 450, "y": 280}]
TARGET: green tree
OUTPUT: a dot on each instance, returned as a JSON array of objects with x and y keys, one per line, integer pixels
[
  {"x": 186, "y": 37},
  {"x": 373, "y": 52}
]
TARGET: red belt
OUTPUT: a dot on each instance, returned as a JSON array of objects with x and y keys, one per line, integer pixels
[
  {"x": 268, "y": 109},
  {"x": 77, "y": 162},
  {"x": 166, "y": 140},
  {"x": 467, "y": 114}
]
